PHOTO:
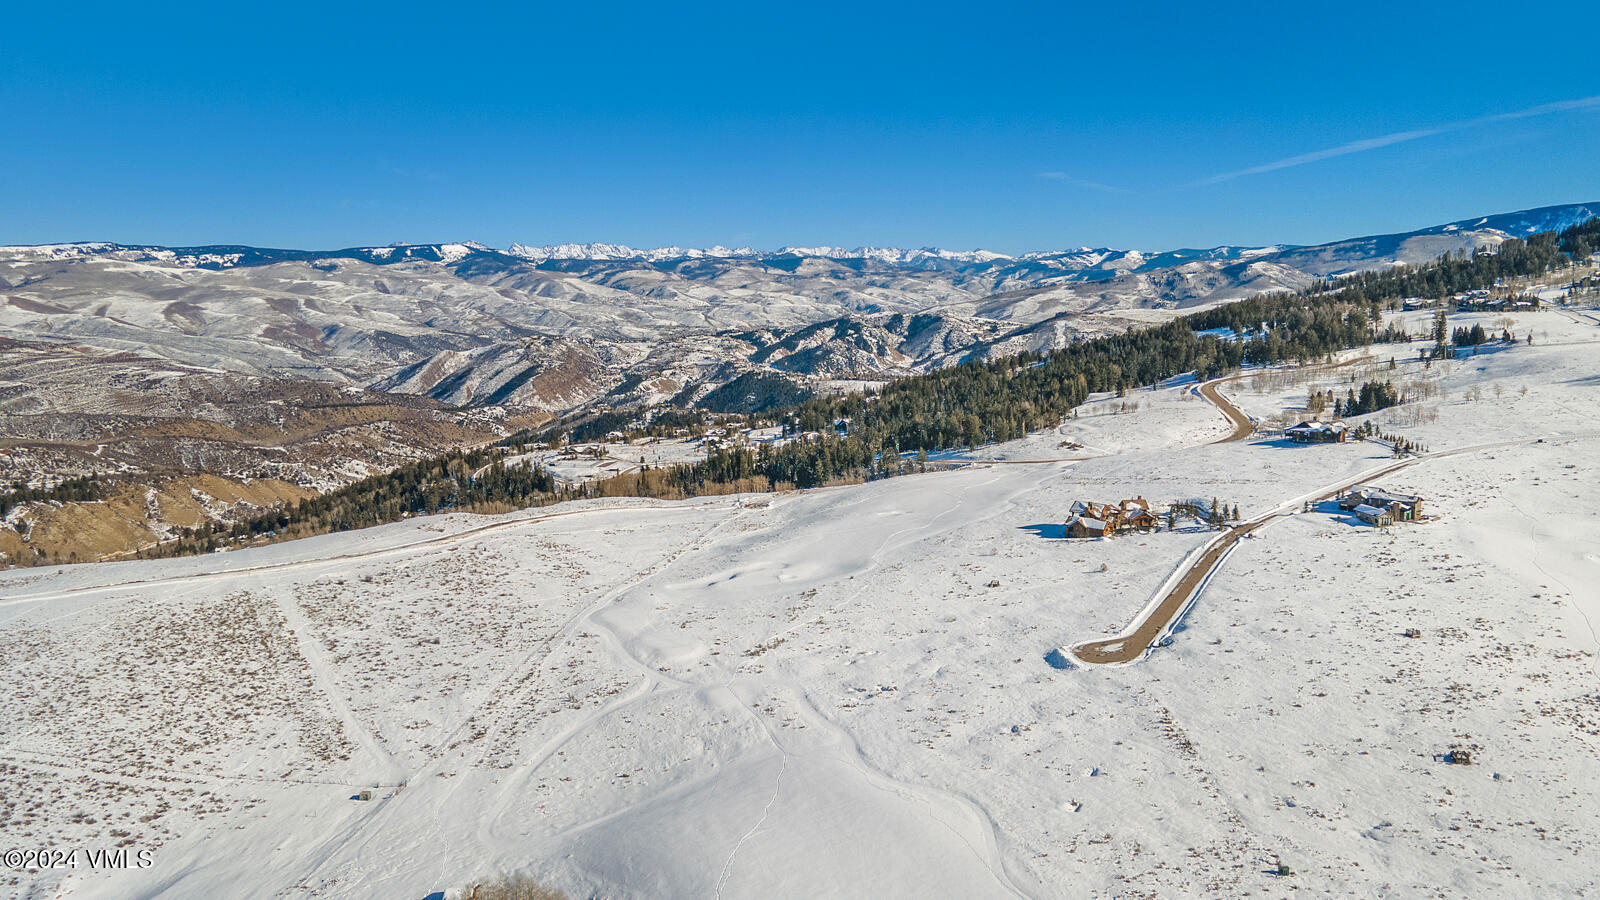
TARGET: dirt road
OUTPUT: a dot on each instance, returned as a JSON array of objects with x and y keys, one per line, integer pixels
[
  {"x": 1242, "y": 426},
  {"x": 1131, "y": 644}
]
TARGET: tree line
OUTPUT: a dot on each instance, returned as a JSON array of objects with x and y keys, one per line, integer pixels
[
  {"x": 72, "y": 490},
  {"x": 476, "y": 479}
]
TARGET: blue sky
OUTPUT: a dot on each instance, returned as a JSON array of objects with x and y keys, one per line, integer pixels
[{"x": 1005, "y": 126}]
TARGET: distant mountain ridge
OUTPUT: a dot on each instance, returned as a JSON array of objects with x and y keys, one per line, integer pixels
[
  {"x": 559, "y": 327},
  {"x": 1514, "y": 224}
]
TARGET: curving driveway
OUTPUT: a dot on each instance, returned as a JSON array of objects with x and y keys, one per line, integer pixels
[
  {"x": 1243, "y": 427},
  {"x": 1133, "y": 642}
]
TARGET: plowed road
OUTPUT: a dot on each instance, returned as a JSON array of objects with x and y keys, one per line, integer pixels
[{"x": 1242, "y": 426}]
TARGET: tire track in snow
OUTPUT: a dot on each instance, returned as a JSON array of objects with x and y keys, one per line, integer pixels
[
  {"x": 322, "y": 672},
  {"x": 1572, "y": 596},
  {"x": 356, "y": 838},
  {"x": 777, "y": 791},
  {"x": 990, "y": 855}
]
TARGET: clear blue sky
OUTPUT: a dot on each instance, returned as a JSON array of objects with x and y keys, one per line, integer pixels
[{"x": 1006, "y": 126}]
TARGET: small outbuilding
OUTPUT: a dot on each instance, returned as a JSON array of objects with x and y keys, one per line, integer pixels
[
  {"x": 1374, "y": 515},
  {"x": 1082, "y": 526}
]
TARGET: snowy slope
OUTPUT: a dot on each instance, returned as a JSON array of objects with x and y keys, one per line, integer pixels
[{"x": 842, "y": 692}]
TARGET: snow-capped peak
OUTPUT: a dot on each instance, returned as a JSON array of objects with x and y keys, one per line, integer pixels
[{"x": 601, "y": 251}]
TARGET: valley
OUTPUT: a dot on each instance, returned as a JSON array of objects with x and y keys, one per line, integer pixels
[{"x": 303, "y": 371}]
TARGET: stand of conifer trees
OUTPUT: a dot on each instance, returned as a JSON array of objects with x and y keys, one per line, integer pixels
[{"x": 72, "y": 490}]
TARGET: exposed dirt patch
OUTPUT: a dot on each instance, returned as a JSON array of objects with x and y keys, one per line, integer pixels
[{"x": 137, "y": 515}]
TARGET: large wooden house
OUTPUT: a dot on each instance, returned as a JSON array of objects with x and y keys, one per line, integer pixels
[
  {"x": 1376, "y": 506},
  {"x": 1106, "y": 520}
]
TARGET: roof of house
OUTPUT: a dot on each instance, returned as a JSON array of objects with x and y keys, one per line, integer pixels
[
  {"x": 1375, "y": 496},
  {"x": 1370, "y": 511},
  {"x": 1318, "y": 426},
  {"x": 1372, "y": 490},
  {"x": 1402, "y": 499},
  {"x": 1087, "y": 522}
]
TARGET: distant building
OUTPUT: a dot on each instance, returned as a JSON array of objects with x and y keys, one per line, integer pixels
[
  {"x": 1317, "y": 433},
  {"x": 1481, "y": 301},
  {"x": 1376, "y": 506}
]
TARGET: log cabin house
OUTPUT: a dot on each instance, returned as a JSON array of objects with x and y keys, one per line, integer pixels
[
  {"x": 1106, "y": 520},
  {"x": 1082, "y": 526}
]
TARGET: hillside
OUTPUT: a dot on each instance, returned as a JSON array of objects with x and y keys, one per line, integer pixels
[
  {"x": 104, "y": 407},
  {"x": 845, "y": 691}
]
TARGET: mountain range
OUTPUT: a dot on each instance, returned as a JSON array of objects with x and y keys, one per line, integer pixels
[
  {"x": 223, "y": 377},
  {"x": 554, "y": 329}
]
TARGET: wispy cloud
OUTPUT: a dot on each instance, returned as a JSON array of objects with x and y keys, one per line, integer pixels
[
  {"x": 1401, "y": 137},
  {"x": 1082, "y": 183},
  {"x": 1545, "y": 109}
]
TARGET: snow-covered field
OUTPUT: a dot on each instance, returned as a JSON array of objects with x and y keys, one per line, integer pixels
[{"x": 842, "y": 692}]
